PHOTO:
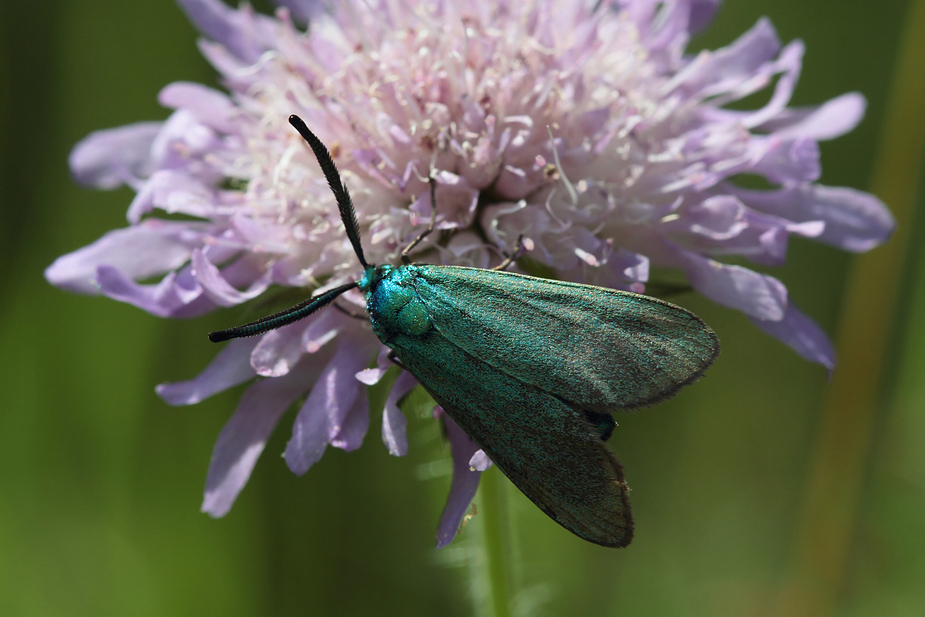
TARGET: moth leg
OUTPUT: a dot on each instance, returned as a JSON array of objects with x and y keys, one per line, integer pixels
[
  {"x": 394, "y": 358},
  {"x": 602, "y": 423},
  {"x": 509, "y": 259},
  {"x": 348, "y": 312},
  {"x": 430, "y": 227}
]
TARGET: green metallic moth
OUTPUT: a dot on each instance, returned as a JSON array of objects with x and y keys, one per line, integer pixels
[{"x": 531, "y": 369}]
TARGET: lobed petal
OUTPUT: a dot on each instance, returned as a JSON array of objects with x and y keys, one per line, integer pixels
[
  {"x": 244, "y": 436},
  {"x": 243, "y": 32},
  {"x": 789, "y": 63},
  {"x": 730, "y": 68},
  {"x": 832, "y": 119},
  {"x": 208, "y": 106},
  {"x": 702, "y": 12},
  {"x": 465, "y": 480},
  {"x": 303, "y": 10},
  {"x": 757, "y": 295},
  {"x": 176, "y": 295},
  {"x": 322, "y": 418},
  {"x": 178, "y": 191},
  {"x": 219, "y": 290},
  {"x": 786, "y": 161},
  {"x": 148, "y": 249},
  {"x": 854, "y": 221},
  {"x": 355, "y": 425},
  {"x": 321, "y": 330},
  {"x": 480, "y": 461},
  {"x": 184, "y": 143},
  {"x": 229, "y": 368},
  {"x": 110, "y": 158},
  {"x": 393, "y": 420},
  {"x": 803, "y": 335},
  {"x": 372, "y": 376},
  {"x": 280, "y": 350}
]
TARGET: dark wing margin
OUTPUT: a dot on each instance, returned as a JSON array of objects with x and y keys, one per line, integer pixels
[
  {"x": 546, "y": 447},
  {"x": 600, "y": 349}
]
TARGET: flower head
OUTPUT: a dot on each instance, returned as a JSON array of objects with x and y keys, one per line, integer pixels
[{"x": 583, "y": 126}]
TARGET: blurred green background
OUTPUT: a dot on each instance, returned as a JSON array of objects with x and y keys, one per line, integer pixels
[{"x": 101, "y": 482}]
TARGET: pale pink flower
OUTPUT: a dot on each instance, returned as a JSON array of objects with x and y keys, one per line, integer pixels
[{"x": 587, "y": 129}]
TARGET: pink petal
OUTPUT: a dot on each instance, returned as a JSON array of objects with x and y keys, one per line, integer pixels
[
  {"x": 355, "y": 425},
  {"x": 323, "y": 415},
  {"x": 854, "y": 221},
  {"x": 465, "y": 480},
  {"x": 393, "y": 420},
  {"x": 456, "y": 202},
  {"x": 280, "y": 350},
  {"x": 265, "y": 235},
  {"x": 726, "y": 69},
  {"x": 789, "y": 62},
  {"x": 717, "y": 218},
  {"x": 218, "y": 289},
  {"x": 832, "y": 119},
  {"x": 237, "y": 72},
  {"x": 185, "y": 144},
  {"x": 480, "y": 461},
  {"x": 756, "y": 295},
  {"x": 785, "y": 161},
  {"x": 303, "y": 10},
  {"x": 210, "y": 107},
  {"x": 372, "y": 376},
  {"x": 702, "y": 12},
  {"x": 241, "y": 31},
  {"x": 244, "y": 436},
  {"x": 802, "y": 335},
  {"x": 177, "y": 191},
  {"x": 113, "y": 157},
  {"x": 229, "y": 368},
  {"x": 176, "y": 295},
  {"x": 322, "y": 330},
  {"x": 142, "y": 251}
]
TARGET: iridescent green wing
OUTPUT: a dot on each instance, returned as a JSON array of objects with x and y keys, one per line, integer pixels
[
  {"x": 548, "y": 448},
  {"x": 597, "y": 348}
]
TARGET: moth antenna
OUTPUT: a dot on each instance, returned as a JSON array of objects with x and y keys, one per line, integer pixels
[
  {"x": 283, "y": 318},
  {"x": 348, "y": 213}
]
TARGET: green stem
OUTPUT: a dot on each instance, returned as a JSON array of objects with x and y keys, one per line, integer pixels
[
  {"x": 496, "y": 542},
  {"x": 841, "y": 454}
]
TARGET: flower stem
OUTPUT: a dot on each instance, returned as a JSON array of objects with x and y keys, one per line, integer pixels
[
  {"x": 496, "y": 542},
  {"x": 837, "y": 471}
]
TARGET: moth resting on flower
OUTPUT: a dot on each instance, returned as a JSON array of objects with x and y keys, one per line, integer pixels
[
  {"x": 648, "y": 157},
  {"x": 529, "y": 368}
]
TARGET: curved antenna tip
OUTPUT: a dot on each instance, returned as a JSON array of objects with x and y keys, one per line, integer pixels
[{"x": 219, "y": 336}]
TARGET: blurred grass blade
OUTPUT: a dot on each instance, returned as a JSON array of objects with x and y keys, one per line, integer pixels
[
  {"x": 496, "y": 543},
  {"x": 840, "y": 458}
]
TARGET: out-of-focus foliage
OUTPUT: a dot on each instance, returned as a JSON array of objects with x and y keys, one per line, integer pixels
[{"x": 100, "y": 482}]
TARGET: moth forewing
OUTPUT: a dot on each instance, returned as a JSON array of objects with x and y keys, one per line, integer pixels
[{"x": 547, "y": 448}]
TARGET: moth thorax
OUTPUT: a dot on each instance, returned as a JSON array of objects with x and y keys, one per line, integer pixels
[{"x": 395, "y": 307}]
